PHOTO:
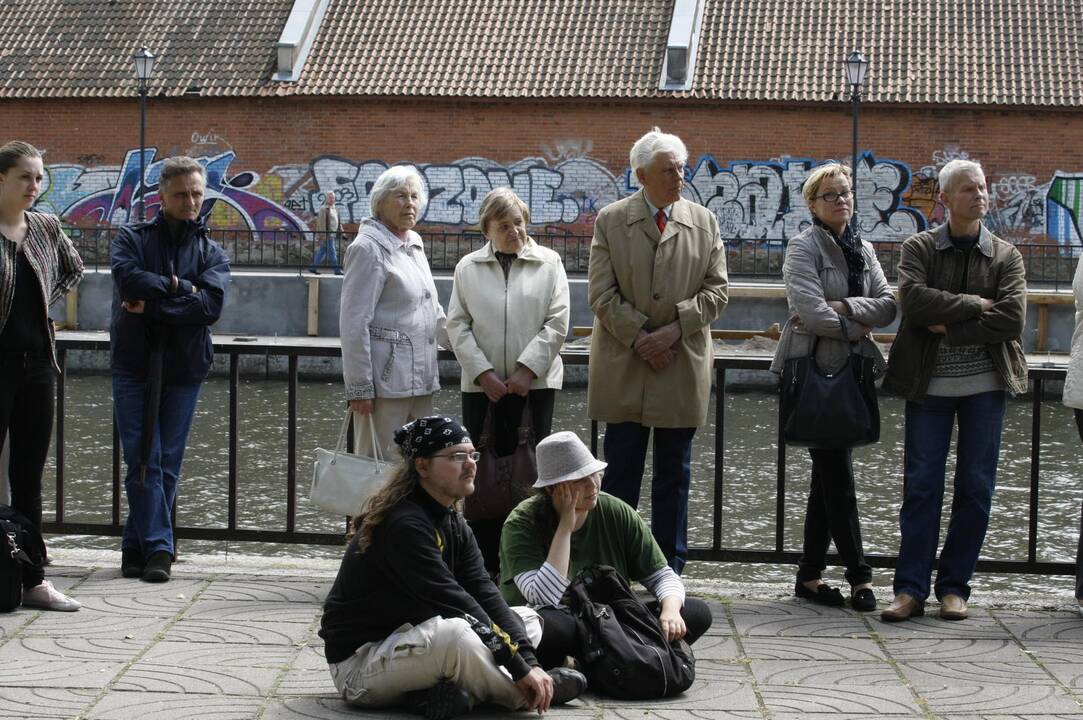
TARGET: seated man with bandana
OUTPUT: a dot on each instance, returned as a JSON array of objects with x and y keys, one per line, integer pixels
[{"x": 413, "y": 619}]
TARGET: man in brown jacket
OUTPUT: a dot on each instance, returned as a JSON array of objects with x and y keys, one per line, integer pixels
[
  {"x": 956, "y": 357},
  {"x": 657, "y": 281}
]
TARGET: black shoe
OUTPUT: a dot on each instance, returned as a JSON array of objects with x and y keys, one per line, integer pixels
[
  {"x": 863, "y": 600},
  {"x": 131, "y": 563},
  {"x": 823, "y": 595},
  {"x": 338, "y": 272},
  {"x": 568, "y": 684},
  {"x": 442, "y": 701},
  {"x": 157, "y": 567},
  {"x": 314, "y": 271}
]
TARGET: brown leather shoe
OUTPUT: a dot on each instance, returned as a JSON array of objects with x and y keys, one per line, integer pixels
[
  {"x": 903, "y": 607},
  {"x": 952, "y": 607}
]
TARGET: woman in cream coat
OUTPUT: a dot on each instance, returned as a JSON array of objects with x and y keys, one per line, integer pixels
[
  {"x": 836, "y": 292},
  {"x": 507, "y": 320},
  {"x": 1073, "y": 398},
  {"x": 390, "y": 318}
]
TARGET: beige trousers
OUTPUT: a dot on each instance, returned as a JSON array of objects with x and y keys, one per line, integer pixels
[
  {"x": 416, "y": 657},
  {"x": 388, "y": 415}
]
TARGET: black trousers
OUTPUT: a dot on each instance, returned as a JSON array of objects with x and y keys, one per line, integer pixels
[
  {"x": 27, "y": 407},
  {"x": 1079, "y": 548},
  {"x": 559, "y": 631},
  {"x": 506, "y": 417},
  {"x": 831, "y": 515}
]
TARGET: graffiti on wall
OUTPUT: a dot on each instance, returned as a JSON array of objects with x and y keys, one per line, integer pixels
[
  {"x": 108, "y": 195},
  {"x": 763, "y": 200},
  {"x": 753, "y": 199}
]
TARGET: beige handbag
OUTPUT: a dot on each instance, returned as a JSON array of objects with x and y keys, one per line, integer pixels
[{"x": 341, "y": 482}]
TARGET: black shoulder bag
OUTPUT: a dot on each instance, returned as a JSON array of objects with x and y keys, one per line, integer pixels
[
  {"x": 829, "y": 410},
  {"x": 625, "y": 654},
  {"x": 501, "y": 483},
  {"x": 20, "y": 545}
]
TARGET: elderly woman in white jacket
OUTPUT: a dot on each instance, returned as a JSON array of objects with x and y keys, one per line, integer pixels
[
  {"x": 390, "y": 318},
  {"x": 507, "y": 320},
  {"x": 1073, "y": 398},
  {"x": 836, "y": 293}
]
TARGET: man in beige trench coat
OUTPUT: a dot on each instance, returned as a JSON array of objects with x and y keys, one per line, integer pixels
[{"x": 657, "y": 281}]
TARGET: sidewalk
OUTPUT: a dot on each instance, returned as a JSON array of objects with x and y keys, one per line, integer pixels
[{"x": 240, "y": 645}]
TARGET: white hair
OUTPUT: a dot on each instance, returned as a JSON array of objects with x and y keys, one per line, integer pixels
[
  {"x": 655, "y": 142},
  {"x": 391, "y": 180},
  {"x": 950, "y": 172}
]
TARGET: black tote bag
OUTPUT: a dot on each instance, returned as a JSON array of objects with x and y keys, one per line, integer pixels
[{"x": 829, "y": 410}]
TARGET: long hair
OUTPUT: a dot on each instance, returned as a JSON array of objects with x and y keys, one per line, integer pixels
[
  {"x": 545, "y": 518},
  {"x": 404, "y": 478}
]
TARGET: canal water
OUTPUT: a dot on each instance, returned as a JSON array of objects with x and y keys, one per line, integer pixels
[{"x": 749, "y": 464}]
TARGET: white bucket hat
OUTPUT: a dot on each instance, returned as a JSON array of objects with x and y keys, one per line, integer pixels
[{"x": 563, "y": 457}]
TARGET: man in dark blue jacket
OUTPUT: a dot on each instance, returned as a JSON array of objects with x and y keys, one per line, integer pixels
[{"x": 169, "y": 286}]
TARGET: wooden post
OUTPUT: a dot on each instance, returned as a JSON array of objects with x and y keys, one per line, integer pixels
[
  {"x": 71, "y": 309},
  {"x": 1043, "y": 326},
  {"x": 313, "y": 306}
]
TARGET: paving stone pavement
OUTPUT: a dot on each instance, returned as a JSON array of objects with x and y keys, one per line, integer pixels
[{"x": 239, "y": 646}]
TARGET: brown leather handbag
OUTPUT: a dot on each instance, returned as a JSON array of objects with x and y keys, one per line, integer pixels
[{"x": 501, "y": 483}]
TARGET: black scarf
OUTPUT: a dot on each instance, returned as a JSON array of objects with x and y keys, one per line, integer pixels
[{"x": 850, "y": 244}]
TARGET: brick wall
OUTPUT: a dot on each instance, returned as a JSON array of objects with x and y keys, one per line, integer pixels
[{"x": 567, "y": 159}]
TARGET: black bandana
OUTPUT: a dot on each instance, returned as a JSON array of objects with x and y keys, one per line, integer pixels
[{"x": 426, "y": 436}]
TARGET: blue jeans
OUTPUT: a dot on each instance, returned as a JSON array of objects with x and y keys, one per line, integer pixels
[
  {"x": 149, "y": 527},
  {"x": 327, "y": 250},
  {"x": 929, "y": 426},
  {"x": 625, "y": 448}
]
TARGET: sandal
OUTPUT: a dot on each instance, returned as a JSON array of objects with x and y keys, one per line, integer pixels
[{"x": 824, "y": 594}]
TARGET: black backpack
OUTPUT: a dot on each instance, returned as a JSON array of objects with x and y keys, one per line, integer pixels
[
  {"x": 624, "y": 652},
  {"x": 20, "y": 544}
]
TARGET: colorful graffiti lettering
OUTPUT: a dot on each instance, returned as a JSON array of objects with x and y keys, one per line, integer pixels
[
  {"x": 753, "y": 199},
  {"x": 1064, "y": 209},
  {"x": 562, "y": 194},
  {"x": 109, "y": 195},
  {"x": 763, "y": 200}
]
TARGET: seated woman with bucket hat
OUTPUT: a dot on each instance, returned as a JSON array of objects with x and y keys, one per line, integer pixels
[{"x": 570, "y": 525}]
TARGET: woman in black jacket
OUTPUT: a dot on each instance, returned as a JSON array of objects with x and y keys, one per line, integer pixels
[{"x": 38, "y": 265}]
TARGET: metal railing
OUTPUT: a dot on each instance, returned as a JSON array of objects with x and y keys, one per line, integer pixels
[
  {"x": 295, "y": 249},
  {"x": 1046, "y": 263},
  {"x": 294, "y": 348}
]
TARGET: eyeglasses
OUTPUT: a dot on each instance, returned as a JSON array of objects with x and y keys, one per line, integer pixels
[
  {"x": 834, "y": 196},
  {"x": 460, "y": 457}
]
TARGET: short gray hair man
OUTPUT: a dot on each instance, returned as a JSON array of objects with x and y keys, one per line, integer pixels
[{"x": 950, "y": 173}]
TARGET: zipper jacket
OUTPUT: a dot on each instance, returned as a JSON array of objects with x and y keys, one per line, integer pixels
[
  {"x": 144, "y": 258},
  {"x": 390, "y": 319},
  {"x": 55, "y": 262},
  {"x": 497, "y": 323},
  {"x": 937, "y": 288}
]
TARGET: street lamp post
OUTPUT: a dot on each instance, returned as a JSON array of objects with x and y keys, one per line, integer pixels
[
  {"x": 856, "y": 65},
  {"x": 144, "y": 68}
]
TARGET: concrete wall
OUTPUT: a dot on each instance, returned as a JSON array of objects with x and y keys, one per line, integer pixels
[{"x": 277, "y": 304}]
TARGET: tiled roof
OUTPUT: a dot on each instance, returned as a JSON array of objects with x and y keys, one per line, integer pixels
[
  {"x": 988, "y": 52},
  {"x": 984, "y": 52},
  {"x": 489, "y": 48},
  {"x": 83, "y": 48}
]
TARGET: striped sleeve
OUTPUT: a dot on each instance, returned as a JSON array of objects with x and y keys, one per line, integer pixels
[
  {"x": 664, "y": 582},
  {"x": 544, "y": 586}
]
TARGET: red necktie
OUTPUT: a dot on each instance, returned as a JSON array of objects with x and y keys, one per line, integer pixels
[{"x": 660, "y": 220}]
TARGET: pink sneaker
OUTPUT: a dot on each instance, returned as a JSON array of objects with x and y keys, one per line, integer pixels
[{"x": 47, "y": 597}]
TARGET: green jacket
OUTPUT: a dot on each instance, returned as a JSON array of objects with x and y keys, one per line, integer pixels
[{"x": 931, "y": 292}]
